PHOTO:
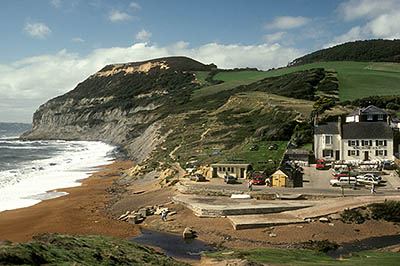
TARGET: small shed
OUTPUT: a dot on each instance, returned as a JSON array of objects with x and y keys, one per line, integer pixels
[
  {"x": 287, "y": 175},
  {"x": 236, "y": 170}
]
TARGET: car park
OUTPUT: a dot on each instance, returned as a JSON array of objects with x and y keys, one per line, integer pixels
[
  {"x": 198, "y": 178},
  {"x": 343, "y": 181}
]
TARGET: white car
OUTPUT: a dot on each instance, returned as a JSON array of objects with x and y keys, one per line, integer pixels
[
  {"x": 373, "y": 177},
  {"x": 343, "y": 181}
]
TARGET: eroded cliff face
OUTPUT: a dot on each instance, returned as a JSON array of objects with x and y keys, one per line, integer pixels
[{"x": 123, "y": 104}]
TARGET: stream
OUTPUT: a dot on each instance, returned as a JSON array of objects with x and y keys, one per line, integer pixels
[{"x": 174, "y": 245}]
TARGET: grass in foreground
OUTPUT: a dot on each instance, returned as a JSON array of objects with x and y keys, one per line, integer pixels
[{"x": 309, "y": 257}]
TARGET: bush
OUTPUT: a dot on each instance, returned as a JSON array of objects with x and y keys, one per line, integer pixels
[
  {"x": 389, "y": 211},
  {"x": 352, "y": 216}
]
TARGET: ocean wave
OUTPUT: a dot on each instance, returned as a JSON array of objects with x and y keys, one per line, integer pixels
[{"x": 64, "y": 164}]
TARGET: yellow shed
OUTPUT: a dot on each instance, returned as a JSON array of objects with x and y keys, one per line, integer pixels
[{"x": 279, "y": 179}]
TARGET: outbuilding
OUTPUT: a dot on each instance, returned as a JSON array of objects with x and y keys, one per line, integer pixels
[{"x": 236, "y": 170}]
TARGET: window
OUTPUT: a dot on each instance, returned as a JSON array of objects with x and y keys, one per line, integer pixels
[
  {"x": 380, "y": 117},
  {"x": 381, "y": 152},
  {"x": 233, "y": 170},
  {"x": 381, "y": 143},
  {"x": 354, "y": 143},
  {"x": 370, "y": 117},
  {"x": 327, "y": 153},
  {"x": 353, "y": 152},
  {"x": 328, "y": 139},
  {"x": 366, "y": 143}
]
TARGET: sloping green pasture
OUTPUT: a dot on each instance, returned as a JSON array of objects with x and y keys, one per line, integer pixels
[{"x": 356, "y": 79}]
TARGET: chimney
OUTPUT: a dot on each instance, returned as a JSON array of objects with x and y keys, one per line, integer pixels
[{"x": 340, "y": 127}]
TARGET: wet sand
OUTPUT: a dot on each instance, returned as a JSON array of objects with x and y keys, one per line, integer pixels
[{"x": 82, "y": 212}]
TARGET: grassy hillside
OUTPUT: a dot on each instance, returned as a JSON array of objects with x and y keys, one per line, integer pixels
[{"x": 356, "y": 79}]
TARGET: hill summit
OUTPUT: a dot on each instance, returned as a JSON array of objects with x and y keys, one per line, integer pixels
[{"x": 362, "y": 51}]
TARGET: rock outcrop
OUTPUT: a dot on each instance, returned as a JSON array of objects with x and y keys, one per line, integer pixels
[{"x": 123, "y": 104}]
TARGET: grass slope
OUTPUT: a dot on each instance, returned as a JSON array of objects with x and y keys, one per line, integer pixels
[
  {"x": 356, "y": 79},
  {"x": 309, "y": 257},
  {"x": 54, "y": 249}
]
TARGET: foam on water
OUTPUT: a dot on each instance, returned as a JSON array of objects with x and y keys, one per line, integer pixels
[{"x": 28, "y": 183}]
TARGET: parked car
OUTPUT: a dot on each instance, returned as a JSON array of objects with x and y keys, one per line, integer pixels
[
  {"x": 320, "y": 165},
  {"x": 254, "y": 148},
  {"x": 273, "y": 147},
  {"x": 343, "y": 181},
  {"x": 230, "y": 179},
  {"x": 198, "y": 178},
  {"x": 388, "y": 165},
  {"x": 258, "y": 180},
  {"x": 340, "y": 173},
  {"x": 369, "y": 179}
]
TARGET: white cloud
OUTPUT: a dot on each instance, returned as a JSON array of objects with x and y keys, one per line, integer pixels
[
  {"x": 274, "y": 37},
  {"x": 34, "y": 80},
  {"x": 287, "y": 22},
  {"x": 380, "y": 20},
  {"x": 353, "y": 34},
  {"x": 78, "y": 40},
  {"x": 37, "y": 30},
  {"x": 56, "y": 3},
  {"x": 356, "y": 9},
  {"x": 116, "y": 16},
  {"x": 143, "y": 35},
  {"x": 135, "y": 5}
]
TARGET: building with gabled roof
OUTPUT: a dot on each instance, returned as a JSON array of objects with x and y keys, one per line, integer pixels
[
  {"x": 370, "y": 113},
  {"x": 359, "y": 141}
]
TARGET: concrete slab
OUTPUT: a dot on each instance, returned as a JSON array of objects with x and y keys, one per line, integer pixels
[
  {"x": 261, "y": 221},
  {"x": 319, "y": 209},
  {"x": 204, "y": 206}
]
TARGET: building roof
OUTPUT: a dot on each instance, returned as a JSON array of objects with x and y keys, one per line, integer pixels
[
  {"x": 367, "y": 130},
  {"x": 328, "y": 128},
  {"x": 369, "y": 110},
  {"x": 230, "y": 165}
]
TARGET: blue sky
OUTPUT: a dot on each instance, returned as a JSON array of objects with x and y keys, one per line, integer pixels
[{"x": 48, "y": 46}]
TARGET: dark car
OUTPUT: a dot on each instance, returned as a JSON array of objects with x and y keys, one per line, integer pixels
[
  {"x": 230, "y": 179},
  {"x": 198, "y": 178},
  {"x": 259, "y": 180},
  {"x": 254, "y": 148},
  {"x": 388, "y": 165}
]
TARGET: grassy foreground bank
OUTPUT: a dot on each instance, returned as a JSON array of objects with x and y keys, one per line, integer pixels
[{"x": 309, "y": 257}]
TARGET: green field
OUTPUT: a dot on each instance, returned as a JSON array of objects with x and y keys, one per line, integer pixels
[
  {"x": 356, "y": 79},
  {"x": 274, "y": 256}
]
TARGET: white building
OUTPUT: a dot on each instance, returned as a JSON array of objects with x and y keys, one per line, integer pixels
[{"x": 361, "y": 141}]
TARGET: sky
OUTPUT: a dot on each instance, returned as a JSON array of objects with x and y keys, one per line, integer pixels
[{"x": 49, "y": 46}]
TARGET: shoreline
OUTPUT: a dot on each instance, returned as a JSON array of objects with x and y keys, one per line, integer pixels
[{"x": 82, "y": 211}]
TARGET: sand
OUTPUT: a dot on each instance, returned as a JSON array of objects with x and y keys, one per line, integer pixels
[{"x": 81, "y": 212}]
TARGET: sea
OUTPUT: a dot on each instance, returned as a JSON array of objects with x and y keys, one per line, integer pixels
[{"x": 33, "y": 171}]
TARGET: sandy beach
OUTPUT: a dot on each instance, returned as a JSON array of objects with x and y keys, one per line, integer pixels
[{"x": 80, "y": 212}]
